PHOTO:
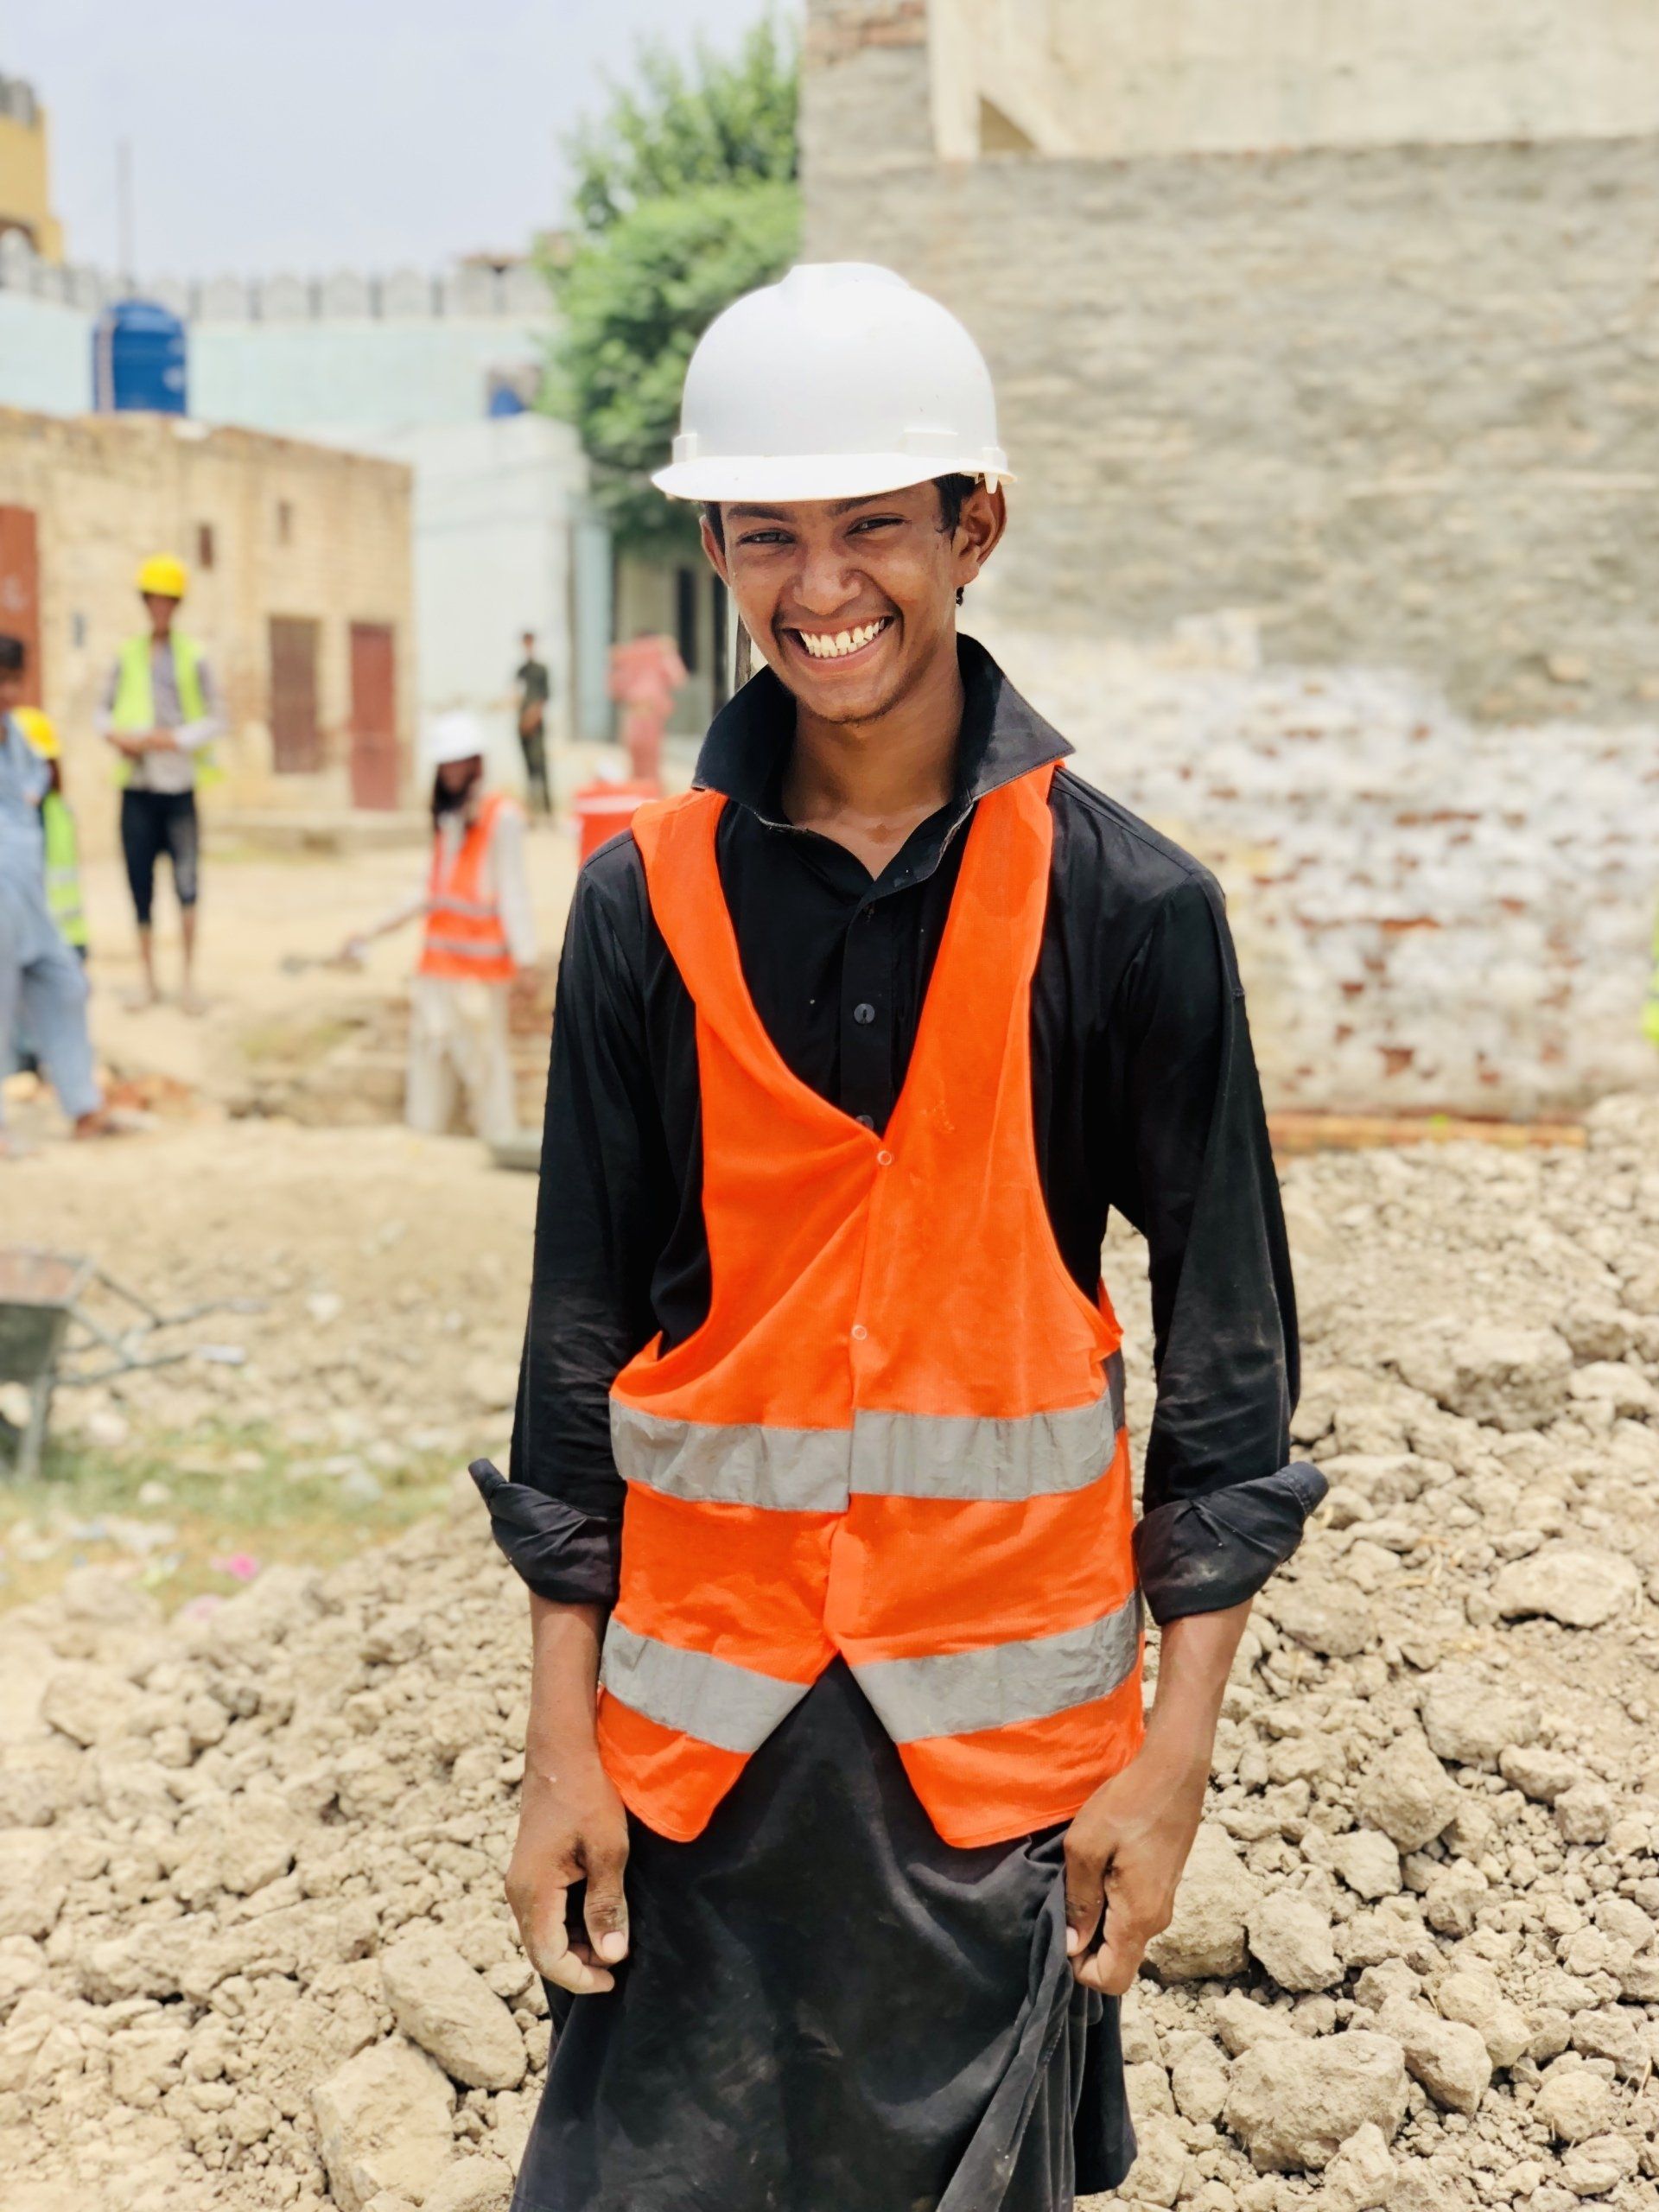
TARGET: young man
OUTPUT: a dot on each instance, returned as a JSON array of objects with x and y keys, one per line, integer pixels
[
  {"x": 160, "y": 712},
  {"x": 841, "y": 1836},
  {"x": 535, "y": 688},
  {"x": 42, "y": 988},
  {"x": 478, "y": 945}
]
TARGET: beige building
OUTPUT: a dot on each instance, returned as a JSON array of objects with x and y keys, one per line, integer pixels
[
  {"x": 25, "y": 170},
  {"x": 299, "y": 563},
  {"x": 1340, "y": 312},
  {"x": 1117, "y": 80}
]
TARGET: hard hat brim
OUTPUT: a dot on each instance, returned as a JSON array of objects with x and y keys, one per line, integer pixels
[{"x": 769, "y": 478}]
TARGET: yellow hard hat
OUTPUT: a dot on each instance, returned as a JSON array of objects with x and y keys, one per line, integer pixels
[
  {"x": 163, "y": 575},
  {"x": 40, "y": 729}
]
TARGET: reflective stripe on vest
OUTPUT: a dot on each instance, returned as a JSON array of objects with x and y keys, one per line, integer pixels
[
  {"x": 950, "y": 1693},
  {"x": 466, "y": 940},
  {"x": 134, "y": 708},
  {"x": 897, "y": 1435},
  {"x": 890, "y": 1455}
]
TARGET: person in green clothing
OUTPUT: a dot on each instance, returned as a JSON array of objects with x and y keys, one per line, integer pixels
[
  {"x": 61, "y": 839},
  {"x": 1650, "y": 1010},
  {"x": 161, "y": 715}
]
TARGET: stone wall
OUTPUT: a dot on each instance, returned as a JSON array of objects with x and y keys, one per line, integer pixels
[
  {"x": 106, "y": 490},
  {"x": 1401, "y": 402}
]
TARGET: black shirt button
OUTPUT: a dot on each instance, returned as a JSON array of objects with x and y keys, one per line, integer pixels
[
  {"x": 864, "y": 1012},
  {"x": 865, "y": 1120}
]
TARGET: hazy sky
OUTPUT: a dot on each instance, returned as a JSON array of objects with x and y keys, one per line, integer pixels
[{"x": 319, "y": 134}]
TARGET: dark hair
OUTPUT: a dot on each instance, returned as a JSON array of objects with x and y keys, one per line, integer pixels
[
  {"x": 952, "y": 490},
  {"x": 13, "y": 654},
  {"x": 444, "y": 801}
]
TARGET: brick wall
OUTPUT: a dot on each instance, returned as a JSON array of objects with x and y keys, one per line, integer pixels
[
  {"x": 106, "y": 490},
  {"x": 1431, "y": 915}
]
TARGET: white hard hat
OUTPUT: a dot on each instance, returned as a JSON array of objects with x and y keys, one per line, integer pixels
[
  {"x": 840, "y": 381},
  {"x": 454, "y": 736}
]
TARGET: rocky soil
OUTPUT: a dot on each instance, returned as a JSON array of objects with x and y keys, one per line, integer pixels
[{"x": 253, "y": 1947}]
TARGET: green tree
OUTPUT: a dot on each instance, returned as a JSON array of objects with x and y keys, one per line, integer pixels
[{"x": 685, "y": 197}]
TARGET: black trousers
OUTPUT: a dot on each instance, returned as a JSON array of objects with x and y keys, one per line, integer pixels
[
  {"x": 153, "y": 823},
  {"x": 827, "y": 2009},
  {"x": 532, "y": 736}
]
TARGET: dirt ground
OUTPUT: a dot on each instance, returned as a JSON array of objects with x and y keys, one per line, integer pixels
[
  {"x": 389, "y": 1269},
  {"x": 323, "y": 1041}
]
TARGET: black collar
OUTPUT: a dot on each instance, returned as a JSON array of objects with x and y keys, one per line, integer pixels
[{"x": 746, "y": 747}]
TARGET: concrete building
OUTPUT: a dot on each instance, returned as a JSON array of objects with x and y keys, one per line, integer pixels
[
  {"x": 25, "y": 171},
  {"x": 1340, "y": 314},
  {"x": 302, "y": 593},
  {"x": 430, "y": 372}
]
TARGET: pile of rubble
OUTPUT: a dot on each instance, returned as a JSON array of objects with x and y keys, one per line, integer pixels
[{"x": 253, "y": 1947}]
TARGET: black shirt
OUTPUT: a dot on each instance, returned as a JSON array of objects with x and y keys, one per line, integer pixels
[{"x": 1145, "y": 1099}]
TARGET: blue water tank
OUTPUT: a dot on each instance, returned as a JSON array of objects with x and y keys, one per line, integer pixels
[{"x": 138, "y": 360}]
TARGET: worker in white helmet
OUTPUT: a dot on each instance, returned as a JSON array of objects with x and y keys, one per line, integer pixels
[
  {"x": 478, "y": 948},
  {"x": 842, "y": 1832}
]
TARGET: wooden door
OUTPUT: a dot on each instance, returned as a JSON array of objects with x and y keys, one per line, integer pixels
[
  {"x": 19, "y": 591},
  {"x": 374, "y": 714},
  {"x": 296, "y": 735}
]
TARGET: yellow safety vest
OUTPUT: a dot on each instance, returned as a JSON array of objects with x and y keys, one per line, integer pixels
[
  {"x": 63, "y": 869},
  {"x": 1650, "y": 1011},
  {"x": 135, "y": 695}
]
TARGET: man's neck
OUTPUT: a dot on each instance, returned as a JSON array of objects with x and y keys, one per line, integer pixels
[{"x": 867, "y": 784}]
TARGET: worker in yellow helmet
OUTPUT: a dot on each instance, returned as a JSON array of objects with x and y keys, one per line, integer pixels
[
  {"x": 161, "y": 713},
  {"x": 58, "y": 827}
]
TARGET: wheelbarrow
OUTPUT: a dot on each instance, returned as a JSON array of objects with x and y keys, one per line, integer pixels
[{"x": 48, "y": 1334}]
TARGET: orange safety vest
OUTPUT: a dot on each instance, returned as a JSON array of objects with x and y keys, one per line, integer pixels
[
  {"x": 465, "y": 941},
  {"x": 898, "y": 1435}
]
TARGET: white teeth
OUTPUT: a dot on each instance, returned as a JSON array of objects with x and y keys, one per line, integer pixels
[{"x": 824, "y": 646}]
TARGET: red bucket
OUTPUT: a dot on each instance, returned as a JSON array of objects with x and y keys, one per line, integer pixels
[{"x": 603, "y": 809}]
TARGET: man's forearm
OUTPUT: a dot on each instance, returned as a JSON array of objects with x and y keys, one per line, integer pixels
[
  {"x": 1195, "y": 1658},
  {"x": 564, "y": 1680}
]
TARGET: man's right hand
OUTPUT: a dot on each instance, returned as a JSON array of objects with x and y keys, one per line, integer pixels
[
  {"x": 571, "y": 1828},
  {"x": 571, "y": 1825}
]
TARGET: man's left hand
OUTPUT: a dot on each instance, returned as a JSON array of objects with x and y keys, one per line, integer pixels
[
  {"x": 1125, "y": 1849},
  {"x": 1124, "y": 1853}
]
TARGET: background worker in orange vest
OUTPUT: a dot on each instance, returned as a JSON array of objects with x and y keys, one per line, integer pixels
[
  {"x": 478, "y": 948},
  {"x": 161, "y": 714},
  {"x": 841, "y": 1834}
]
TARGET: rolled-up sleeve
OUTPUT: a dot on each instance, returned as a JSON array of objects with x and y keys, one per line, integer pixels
[
  {"x": 558, "y": 1516},
  {"x": 1222, "y": 1506}
]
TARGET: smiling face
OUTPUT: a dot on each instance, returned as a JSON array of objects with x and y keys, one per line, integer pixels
[{"x": 852, "y": 601}]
